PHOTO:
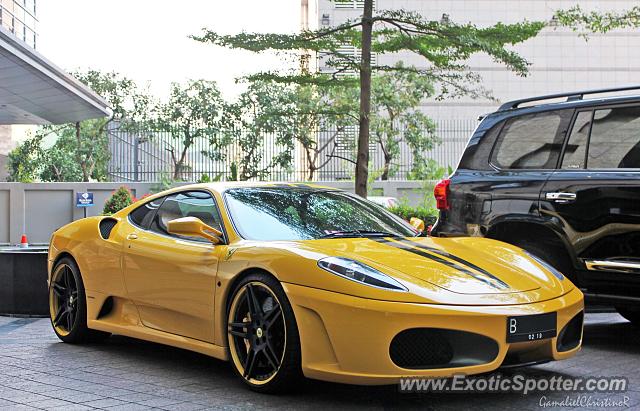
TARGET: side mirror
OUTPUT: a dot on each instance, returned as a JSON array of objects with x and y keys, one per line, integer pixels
[
  {"x": 194, "y": 227},
  {"x": 417, "y": 223}
]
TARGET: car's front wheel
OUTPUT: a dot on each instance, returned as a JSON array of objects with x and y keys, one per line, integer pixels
[
  {"x": 263, "y": 341},
  {"x": 630, "y": 313},
  {"x": 68, "y": 304}
]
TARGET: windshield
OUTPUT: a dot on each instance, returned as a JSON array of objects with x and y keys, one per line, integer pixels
[{"x": 299, "y": 214}]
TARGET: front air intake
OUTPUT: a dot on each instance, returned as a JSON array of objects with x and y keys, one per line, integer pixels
[
  {"x": 427, "y": 348},
  {"x": 571, "y": 335},
  {"x": 106, "y": 225}
]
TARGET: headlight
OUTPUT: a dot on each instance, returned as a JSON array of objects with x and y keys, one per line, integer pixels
[
  {"x": 359, "y": 272},
  {"x": 546, "y": 265}
]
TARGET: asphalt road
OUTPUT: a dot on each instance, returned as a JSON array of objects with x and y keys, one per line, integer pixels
[{"x": 39, "y": 372}]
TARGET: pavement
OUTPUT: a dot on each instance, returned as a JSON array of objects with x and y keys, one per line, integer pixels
[{"x": 37, "y": 371}]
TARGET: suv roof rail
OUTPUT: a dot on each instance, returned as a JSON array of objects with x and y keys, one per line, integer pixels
[{"x": 575, "y": 95}]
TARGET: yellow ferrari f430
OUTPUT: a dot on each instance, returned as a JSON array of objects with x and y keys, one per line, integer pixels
[{"x": 290, "y": 280}]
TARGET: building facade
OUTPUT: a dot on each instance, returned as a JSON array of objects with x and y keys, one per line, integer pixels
[
  {"x": 561, "y": 60},
  {"x": 19, "y": 18}
]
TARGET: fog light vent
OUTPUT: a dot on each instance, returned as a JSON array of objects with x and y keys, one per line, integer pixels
[
  {"x": 425, "y": 348},
  {"x": 571, "y": 335}
]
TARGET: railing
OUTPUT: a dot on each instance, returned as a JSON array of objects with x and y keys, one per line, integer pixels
[{"x": 145, "y": 155}]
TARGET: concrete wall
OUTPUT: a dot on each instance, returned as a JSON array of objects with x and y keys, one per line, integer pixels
[{"x": 37, "y": 209}]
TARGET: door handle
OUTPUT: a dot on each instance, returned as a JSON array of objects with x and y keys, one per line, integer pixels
[
  {"x": 561, "y": 197},
  {"x": 132, "y": 236}
]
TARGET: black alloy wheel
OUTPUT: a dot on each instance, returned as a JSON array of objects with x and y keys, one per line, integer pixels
[
  {"x": 263, "y": 340},
  {"x": 68, "y": 306}
]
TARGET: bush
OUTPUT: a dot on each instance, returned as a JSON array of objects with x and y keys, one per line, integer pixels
[
  {"x": 120, "y": 199},
  {"x": 405, "y": 211}
]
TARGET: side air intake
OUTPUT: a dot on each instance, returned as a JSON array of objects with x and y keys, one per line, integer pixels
[{"x": 106, "y": 225}]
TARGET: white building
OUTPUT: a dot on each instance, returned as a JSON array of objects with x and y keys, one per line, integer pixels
[{"x": 560, "y": 59}]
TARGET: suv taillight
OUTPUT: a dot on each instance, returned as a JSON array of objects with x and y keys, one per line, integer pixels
[{"x": 441, "y": 192}]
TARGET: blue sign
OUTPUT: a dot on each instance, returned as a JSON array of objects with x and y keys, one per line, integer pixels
[{"x": 84, "y": 199}]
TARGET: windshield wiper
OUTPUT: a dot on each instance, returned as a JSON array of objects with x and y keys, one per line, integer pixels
[{"x": 358, "y": 233}]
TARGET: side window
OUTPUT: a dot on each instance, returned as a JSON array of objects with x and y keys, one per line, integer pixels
[
  {"x": 531, "y": 141},
  {"x": 142, "y": 215},
  {"x": 188, "y": 204},
  {"x": 615, "y": 139},
  {"x": 576, "y": 150}
]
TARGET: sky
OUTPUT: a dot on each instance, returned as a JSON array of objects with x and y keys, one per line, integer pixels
[{"x": 147, "y": 40}]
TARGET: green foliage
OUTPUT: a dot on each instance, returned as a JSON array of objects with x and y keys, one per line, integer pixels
[
  {"x": 427, "y": 214},
  {"x": 195, "y": 110},
  {"x": 255, "y": 114},
  {"x": 395, "y": 117},
  {"x": 427, "y": 169},
  {"x": 24, "y": 161},
  {"x": 233, "y": 171},
  {"x": 80, "y": 151},
  {"x": 166, "y": 182},
  {"x": 120, "y": 199},
  {"x": 444, "y": 45},
  {"x": 130, "y": 104},
  {"x": 597, "y": 22},
  {"x": 206, "y": 178},
  {"x": 426, "y": 210}
]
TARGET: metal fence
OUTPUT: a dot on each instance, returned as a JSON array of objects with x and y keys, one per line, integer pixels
[{"x": 146, "y": 155}]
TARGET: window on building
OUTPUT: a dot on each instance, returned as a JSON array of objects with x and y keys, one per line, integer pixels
[
  {"x": 576, "y": 149},
  {"x": 532, "y": 141},
  {"x": 350, "y": 4},
  {"x": 615, "y": 139}
]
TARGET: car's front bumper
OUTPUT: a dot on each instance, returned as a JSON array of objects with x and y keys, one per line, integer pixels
[{"x": 347, "y": 339}]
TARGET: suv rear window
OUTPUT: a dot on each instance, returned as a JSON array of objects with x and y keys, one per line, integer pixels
[{"x": 531, "y": 141}]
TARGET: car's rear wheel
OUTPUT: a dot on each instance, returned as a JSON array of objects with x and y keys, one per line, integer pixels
[
  {"x": 263, "y": 341},
  {"x": 630, "y": 313},
  {"x": 68, "y": 304}
]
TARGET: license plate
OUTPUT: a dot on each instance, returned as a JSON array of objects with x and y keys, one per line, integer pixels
[{"x": 531, "y": 327}]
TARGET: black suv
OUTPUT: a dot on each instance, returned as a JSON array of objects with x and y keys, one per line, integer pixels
[{"x": 560, "y": 179}]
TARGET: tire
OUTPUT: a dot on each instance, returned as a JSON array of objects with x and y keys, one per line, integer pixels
[
  {"x": 630, "y": 313},
  {"x": 555, "y": 256},
  {"x": 262, "y": 336},
  {"x": 68, "y": 305}
]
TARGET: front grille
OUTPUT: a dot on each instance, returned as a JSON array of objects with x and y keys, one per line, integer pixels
[
  {"x": 426, "y": 348},
  {"x": 420, "y": 348},
  {"x": 105, "y": 226},
  {"x": 570, "y": 336}
]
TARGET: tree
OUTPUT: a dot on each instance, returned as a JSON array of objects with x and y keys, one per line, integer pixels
[
  {"x": 395, "y": 117},
  {"x": 309, "y": 111},
  {"x": 129, "y": 104},
  {"x": 23, "y": 161},
  {"x": 194, "y": 110},
  {"x": 254, "y": 120},
  {"x": 445, "y": 45},
  {"x": 119, "y": 199},
  {"x": 80, "y": 151}
]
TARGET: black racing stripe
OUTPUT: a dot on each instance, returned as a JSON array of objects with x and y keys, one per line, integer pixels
[
  {"x": 435, "y": 258},
  {"x": 455, "y": 258}
]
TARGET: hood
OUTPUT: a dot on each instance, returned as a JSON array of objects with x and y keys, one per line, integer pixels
[{"x": 481, "y": 271}]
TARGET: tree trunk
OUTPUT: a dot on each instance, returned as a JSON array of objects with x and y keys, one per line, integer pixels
[
  {"x": 81, "y": 161},
  {"x": 362, "y": 159},
  {"x": 385, "y": 172}
]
